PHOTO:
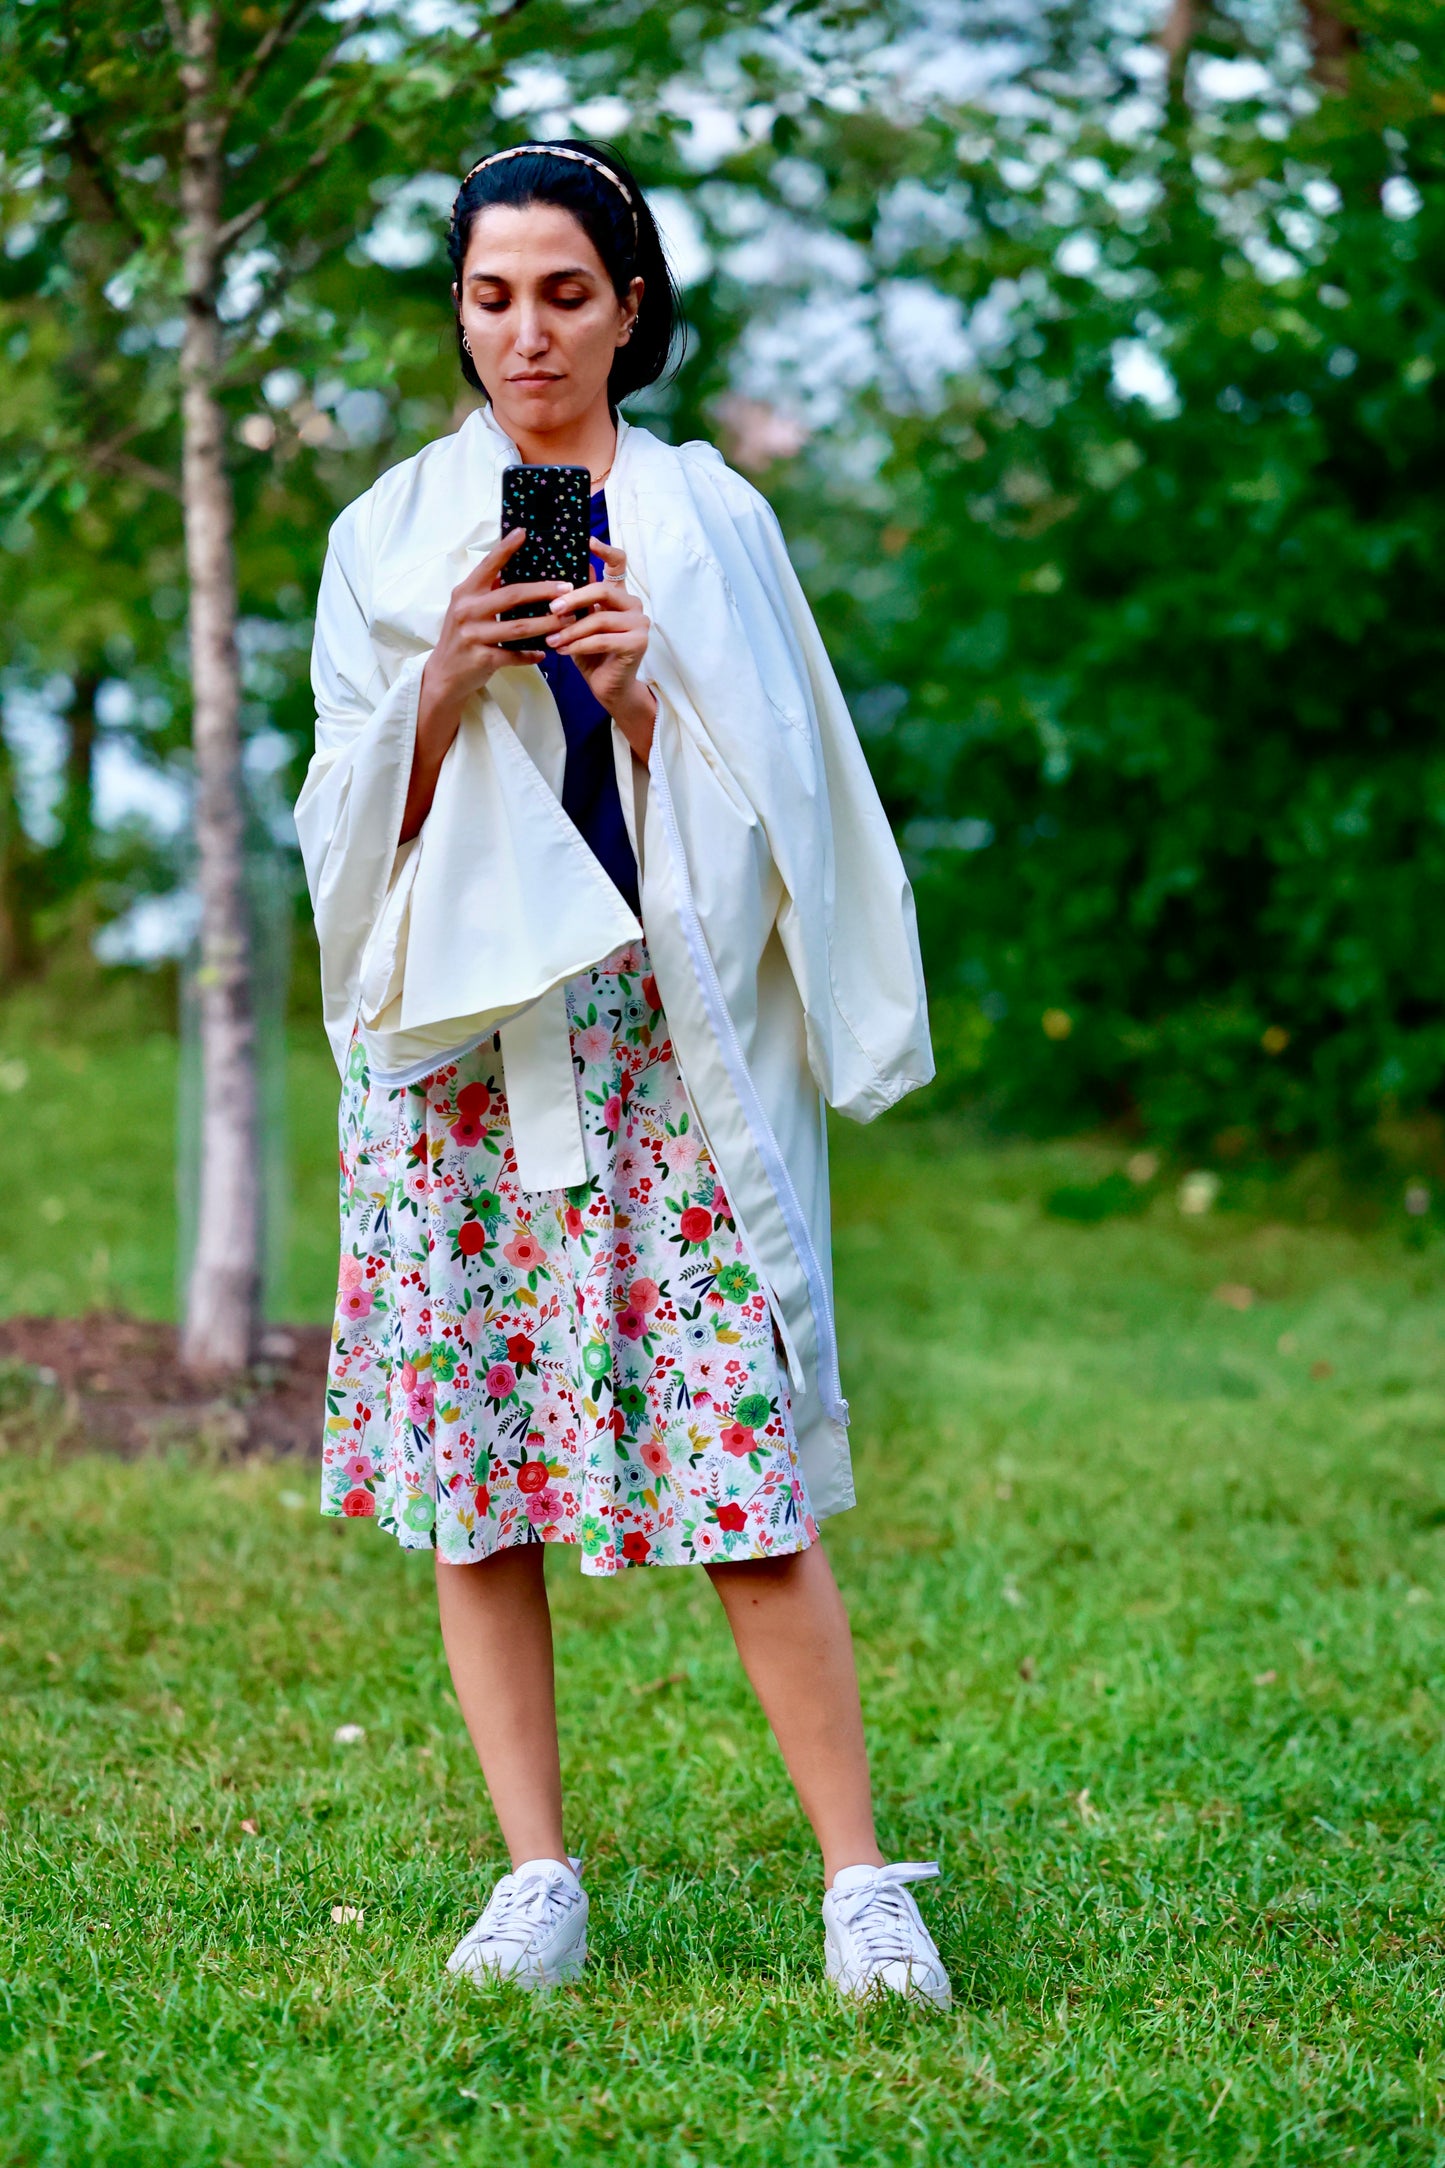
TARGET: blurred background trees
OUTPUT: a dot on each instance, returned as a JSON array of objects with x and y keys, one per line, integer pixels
[{"x": 1091, "y": 354}]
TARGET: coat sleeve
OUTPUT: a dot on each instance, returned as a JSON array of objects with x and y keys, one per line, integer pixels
[
  {"x": 349, "y": 813},
  {"x": 754, "y": 699}
]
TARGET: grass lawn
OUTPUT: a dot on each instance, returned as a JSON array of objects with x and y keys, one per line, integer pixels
[{"x": 1149, "y": 1594}]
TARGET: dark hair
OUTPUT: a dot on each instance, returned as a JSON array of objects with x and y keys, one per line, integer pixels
[{"x": 624, "y": 235}]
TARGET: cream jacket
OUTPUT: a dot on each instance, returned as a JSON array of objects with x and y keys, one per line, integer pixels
[{"x": 779, "y": 920}]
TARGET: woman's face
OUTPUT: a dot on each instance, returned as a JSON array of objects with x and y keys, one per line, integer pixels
[{"x": 541, "y": 314}]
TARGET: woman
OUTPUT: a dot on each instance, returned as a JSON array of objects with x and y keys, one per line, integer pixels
[{"x": 581, "y": 1300}]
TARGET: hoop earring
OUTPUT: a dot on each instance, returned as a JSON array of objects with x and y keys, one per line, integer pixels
[{"x": 467, "y": 346}]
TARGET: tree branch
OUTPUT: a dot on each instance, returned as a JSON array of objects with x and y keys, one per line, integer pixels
[
  {"x": 88, "y": 158},
  {"x": 139, "y": 470},
  {"x": 286, "y": 26},
  {"x": 231, "y": 232},
  {"x": 244, "y": 220}
]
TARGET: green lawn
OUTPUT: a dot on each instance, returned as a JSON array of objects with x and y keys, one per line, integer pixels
[{"x": 1149, "y": 1609}]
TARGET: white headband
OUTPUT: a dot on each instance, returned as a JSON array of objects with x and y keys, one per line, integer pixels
[{"x": 555, "y": 150}]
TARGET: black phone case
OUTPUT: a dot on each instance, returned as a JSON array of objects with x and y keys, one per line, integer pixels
[{"x": 554, "y": 504}]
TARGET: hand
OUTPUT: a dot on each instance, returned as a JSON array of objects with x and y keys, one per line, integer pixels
[
  {"x": 469, "y": 651},
  {"x": 608, "y": 646},
  {"x": 467, "y": 655}
]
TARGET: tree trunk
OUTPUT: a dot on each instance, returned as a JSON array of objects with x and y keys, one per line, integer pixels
[
  {"x": 1332, "y": 43},
  {"x": 15, "y": 949},
  {"x": 223, "y": 1297},
  {"x": 77, "y": 808},
  {"x": 1176, "y": 34}
]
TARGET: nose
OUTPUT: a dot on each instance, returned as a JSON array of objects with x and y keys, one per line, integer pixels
[{"x": 531, "y": 338}]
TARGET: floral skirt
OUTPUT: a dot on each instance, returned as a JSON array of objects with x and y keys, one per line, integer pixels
[{"x": 595, "y": 1365}]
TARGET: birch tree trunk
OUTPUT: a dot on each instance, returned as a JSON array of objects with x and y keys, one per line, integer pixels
[{"x": 223, "y": 1297}]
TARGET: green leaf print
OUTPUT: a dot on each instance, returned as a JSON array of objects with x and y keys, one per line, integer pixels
[
  {"x": 734, "y": 1282},
  {"x": 753, "y": 1411}
]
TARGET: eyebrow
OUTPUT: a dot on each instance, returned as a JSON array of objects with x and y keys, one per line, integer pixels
[{"x": 499, "y": 278}]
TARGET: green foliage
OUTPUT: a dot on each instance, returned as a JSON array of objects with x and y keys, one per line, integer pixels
[
  {"x": 1119, "y": 495},
  {"x": 1148, "y": 1628},
  {"x": 1157, "y": 687}
]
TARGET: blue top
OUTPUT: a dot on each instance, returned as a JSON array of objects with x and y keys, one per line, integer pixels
[{"x": 589, "y": 782}]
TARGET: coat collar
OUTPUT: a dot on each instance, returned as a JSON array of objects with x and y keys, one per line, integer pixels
[{"x": 489, "y": 441}]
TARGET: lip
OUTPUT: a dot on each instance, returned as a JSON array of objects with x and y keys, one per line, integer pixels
[{"x": 536, "y": 376}]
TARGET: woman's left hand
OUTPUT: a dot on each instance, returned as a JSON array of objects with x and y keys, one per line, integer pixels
[{"x": 608, "y": 646}]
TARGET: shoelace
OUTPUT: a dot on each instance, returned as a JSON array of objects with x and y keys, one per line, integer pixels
[
  {"x": 878, "y": 1913},
  {"x": 522, "y": 1909}
]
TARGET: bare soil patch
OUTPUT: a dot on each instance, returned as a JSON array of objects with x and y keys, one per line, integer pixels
[{"x": 124, "y": 1391}]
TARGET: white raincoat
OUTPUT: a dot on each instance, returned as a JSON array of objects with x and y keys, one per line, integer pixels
[{"x": 778, "y": 917}]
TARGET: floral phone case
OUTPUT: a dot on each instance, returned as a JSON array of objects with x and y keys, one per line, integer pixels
[{"x": 554, "y": 504}]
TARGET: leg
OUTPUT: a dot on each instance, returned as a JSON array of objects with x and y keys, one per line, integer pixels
[
  {"x": 792, "y": 1634},
  {"x": 498, "y": 1636}
]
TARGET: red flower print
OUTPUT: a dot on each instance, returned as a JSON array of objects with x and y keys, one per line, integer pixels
[
  {"x": 695, "y": 1224},
  {"x": 650, "y": 994},
  {"x": 466, "y": 1131},
  {"x": 732, "y": 1518},
  {"x": 471, "y": 1238},
  {"x": 574, "y": 1221},
  {"x": 473, "y": 1101},
  {"x": 525, "y": 1251},
  {"x": 482, "y": 1501},
  {"x": 501, "y": 1380},
  {"x": 358, "y": 1505},
  {"x": 631, "y": 1324},
  {"x": 737, "y": 1439},
  {"x": 635, "y": 1547},
  {"x": 532, "y": 1476},
  {"x": 654, "y": 1456},
  {"x": 624, "y": 1086},
  {"x": 520, "y": 1350},
  {"x": 644, "y": 1295},
  {"x": 617, "y": 1422}
]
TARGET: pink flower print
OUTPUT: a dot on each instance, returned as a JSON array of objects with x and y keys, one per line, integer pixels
[
  {"x": 360, "y": 1468},
  {"x": 525, "y": 1251},
  {"x": 408, "y": 1378},
  {"x": 655, "y": 1457},
  {"x": 593, "y": 1043},
  {"x": 501, "y": 1380},
  {"x": 466, "y": 1131},
  {"x": 644, "y": 1295},
  {"x": 705, "y": 1542},
  {"x": 354, "y": 1302},
  {"x": 612, "y": 1113},
  {"x": 552, "y": 1417},
  {"x": 704, "y": 1376},
  {"x": 737, "y": 1439},
  {"x": 682, "y": 1152},
  {"x": 631, "y": 1324},
  {"x": 416, "y": 1185},
  {"x": 629, "y": 1164},
  {"x": 352, "y": 1272},
  {"x": 421, "y": 1402},
  {"x": 544, "y": 1505},
  {"x": 573, "y": 1221}
]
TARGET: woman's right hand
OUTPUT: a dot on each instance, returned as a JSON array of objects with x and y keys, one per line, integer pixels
[{"x": 467, "y": 655}]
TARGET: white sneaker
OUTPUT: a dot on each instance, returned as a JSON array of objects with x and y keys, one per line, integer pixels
[
  {"x": 534, "y": 1930},
  {"x": 874, "y": 1940}
]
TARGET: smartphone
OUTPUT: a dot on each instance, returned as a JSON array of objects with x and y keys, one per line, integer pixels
[{"x": 554, "y": 504}]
